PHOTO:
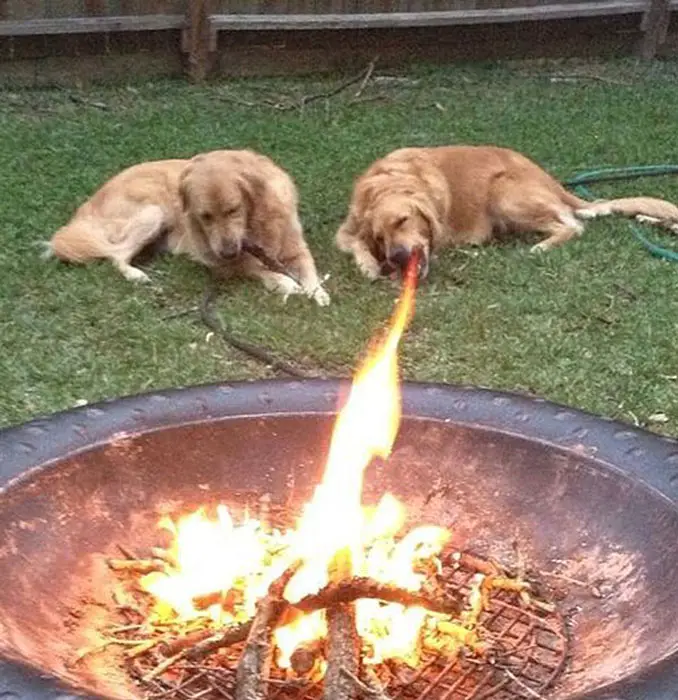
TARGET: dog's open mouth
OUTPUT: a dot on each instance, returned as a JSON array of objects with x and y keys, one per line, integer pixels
[
  {"x": 389, "y": 269},
  {"x": 395, "y": 272}
]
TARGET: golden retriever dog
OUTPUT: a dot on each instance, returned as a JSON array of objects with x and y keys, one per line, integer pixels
[
  {"x": 427, "y": 198},
  {"x": 209, "y": 208}
]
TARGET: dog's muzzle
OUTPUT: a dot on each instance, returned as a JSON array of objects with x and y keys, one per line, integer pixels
[
  {"x": 228, "y": 250},
  {"x": 399, "y": 257}
]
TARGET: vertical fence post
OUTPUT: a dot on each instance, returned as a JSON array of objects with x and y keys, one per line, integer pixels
[
  {"x": 654, "y": 27},
  {"x": 199, "y": 39}
]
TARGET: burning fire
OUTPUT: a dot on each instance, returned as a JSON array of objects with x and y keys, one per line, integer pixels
[{"x": 336, "y": 538}]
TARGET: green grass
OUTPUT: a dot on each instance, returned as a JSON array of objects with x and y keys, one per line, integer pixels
[{"x": 593, "y": 325}]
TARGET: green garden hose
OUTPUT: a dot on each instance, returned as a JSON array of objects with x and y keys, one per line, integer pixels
[{"x": 579, "y": 183}]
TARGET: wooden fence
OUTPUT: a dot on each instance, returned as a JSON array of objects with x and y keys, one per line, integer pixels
[{"x": 194, "y": 27}]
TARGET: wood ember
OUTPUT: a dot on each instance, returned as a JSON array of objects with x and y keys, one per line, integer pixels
[
  {"x": 305, "y": 657},
  {"x": 251, "y": 677},
  {"x": 470, "y": 561},
  {"x": 228, "y": 599},
  {"x": 137, "y": 566}
]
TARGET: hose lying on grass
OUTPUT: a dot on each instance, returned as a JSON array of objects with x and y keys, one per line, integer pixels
[{"x": 579, "y": 183}]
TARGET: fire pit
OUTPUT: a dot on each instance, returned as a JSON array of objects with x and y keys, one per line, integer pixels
[
  {"x": 354, "y": 590},
  {"x": 588, "y": 505}
]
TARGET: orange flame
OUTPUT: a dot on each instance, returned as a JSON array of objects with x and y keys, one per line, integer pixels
[
  {"x": 336, "y": 536},
  {"x": 366, "y": 427}
]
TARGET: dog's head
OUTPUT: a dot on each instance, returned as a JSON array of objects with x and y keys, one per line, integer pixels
[
  {"x": 218, "y": 195},
  {"x": 397, "y": 225}
]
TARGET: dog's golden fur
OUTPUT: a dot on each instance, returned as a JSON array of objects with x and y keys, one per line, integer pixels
[
  {"x": 206, "y": 208},
  {"x": 426, "y": 198}
]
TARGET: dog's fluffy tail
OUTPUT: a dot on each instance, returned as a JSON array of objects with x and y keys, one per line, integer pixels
[
  {"x": 648, "y": 209},
  {"x": 78, "y": 242}
]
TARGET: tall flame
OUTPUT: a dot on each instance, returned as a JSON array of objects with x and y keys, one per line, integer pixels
[{"x": 366, "y": 427}]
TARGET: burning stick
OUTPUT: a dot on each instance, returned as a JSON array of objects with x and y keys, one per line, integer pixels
[
  {"x": 343, "y": 644},
  {"x": 251, "y": 676},
  {"x": 353, "y": 589},
  {"x": 178, "y": 649},
  {"x": 224, "y": 638},
  {"x": 358, "y": 587},
  {"x": 342, "y": 653}
]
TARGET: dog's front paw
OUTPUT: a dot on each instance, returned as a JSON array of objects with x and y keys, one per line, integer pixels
[
  {"x": 134, "y": 274},
  {"x": 369, "y": 267},
  {"x": 321, "y": 297},
  {"x": 287, "y": 287}
]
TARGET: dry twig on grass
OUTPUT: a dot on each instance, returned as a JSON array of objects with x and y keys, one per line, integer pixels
[
  {"x": 210, "y": 319},
  {"x": 282, "y": 105}
]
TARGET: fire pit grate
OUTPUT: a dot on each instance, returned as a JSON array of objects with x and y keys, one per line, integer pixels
[{"x": 529, "y": 650}]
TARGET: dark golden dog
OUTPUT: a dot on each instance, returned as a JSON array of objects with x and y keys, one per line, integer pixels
[
  {"x": 426, "y": 198},
  {"x": 207, "y": 207}
]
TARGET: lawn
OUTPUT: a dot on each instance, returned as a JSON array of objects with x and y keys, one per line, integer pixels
[{"x": 593, "y": 325}]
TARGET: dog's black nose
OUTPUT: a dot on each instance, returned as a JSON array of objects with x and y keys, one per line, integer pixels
[
  {"x": 399, "y": 256},
  {"x": 228, "y": 250}
]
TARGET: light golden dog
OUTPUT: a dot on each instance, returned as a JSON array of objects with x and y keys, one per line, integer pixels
[
  {"x": 427, "y": 198},
  {"x": 209, "y": 208}
]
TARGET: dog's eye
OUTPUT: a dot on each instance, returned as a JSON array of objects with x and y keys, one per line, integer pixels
[
  {"x": 206, "y": 216},
  {"x": 229, "y": 212},
  {"x": 400, "y": 221}
]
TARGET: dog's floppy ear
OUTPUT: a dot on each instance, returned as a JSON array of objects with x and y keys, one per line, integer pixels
[
  {"x": 184, "y": 183},
  {"x": 430, "y": 213},
  {"x": 253, "y": 188}
]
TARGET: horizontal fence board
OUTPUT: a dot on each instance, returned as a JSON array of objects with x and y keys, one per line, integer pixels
[
  {"x": 284, "y": 53},
  {"x": 232, "y": 22},
  {"x": 354, "y": 7},
  {"x": 50, "y": 9},
  {"x": 91, "y": 25}
]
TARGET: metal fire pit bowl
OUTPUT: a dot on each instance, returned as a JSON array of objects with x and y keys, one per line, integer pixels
[{"x": 586, "y": 499}]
